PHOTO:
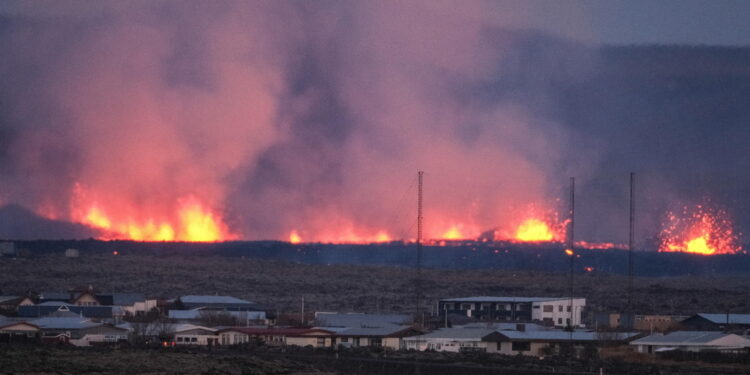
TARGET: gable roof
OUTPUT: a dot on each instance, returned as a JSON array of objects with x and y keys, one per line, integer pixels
[
  {"x": 457, "y": 334},
  {"x": 499, "y": 326},
  {"x": 193, "y": 299},
  {"x": 560, "y": 335},
  {"x": 64, "y": 323},
  {"x": 693, "y": 338},
  {"x": 18, "y": 323},
  {"x": 293, "y": 332},
  {"x": 722, "y": 318},
  {"x": 507, "y": 299},
  {"x": 360, "y": 320},
  {"x": 50, "y": 307},
  {"x": 189, "y": 327}
]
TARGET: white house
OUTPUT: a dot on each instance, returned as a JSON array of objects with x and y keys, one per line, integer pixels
[
  {"x": 455, "y": 340},
  {"x": 694, "y": 341},
  {"x": 190, "y": 334}
]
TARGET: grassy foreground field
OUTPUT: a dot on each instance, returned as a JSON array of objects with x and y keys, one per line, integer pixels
[
  {"x": 304, "y": 361},
  {"x": 281, "y": 285}
]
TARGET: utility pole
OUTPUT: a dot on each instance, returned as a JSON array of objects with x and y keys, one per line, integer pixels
[
  {"x": 571, "y": 242},
  {"x": 630, "y": 243},
  {"x": 418, "y": 281},
  {"x": 302, "y": 317},
  {"x": 419, "y": 319}
]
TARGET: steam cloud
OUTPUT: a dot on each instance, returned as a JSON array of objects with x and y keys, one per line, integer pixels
[{"x": 315, "y": 117}]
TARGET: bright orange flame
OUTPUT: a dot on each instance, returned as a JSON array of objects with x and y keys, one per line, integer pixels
[
  {"x": 351, "y": 236},
  {"x": 198, "y": 225},
  {"x": 193, "y": 222},
  {"x": 454, "y": 233},
  {"x": 533, "y": 223},
  {"x": 294, "y": 237},
  {"x": 534, "y": 230},
  {"x": 569, "y": 252},
  {"x": 700, "y": 230},
  {"x": 97, "y": 218}
]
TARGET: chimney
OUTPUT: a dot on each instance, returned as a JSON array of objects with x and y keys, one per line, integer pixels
[{"x": 521, "y": 327}]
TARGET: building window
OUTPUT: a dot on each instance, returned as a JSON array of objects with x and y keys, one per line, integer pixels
[
  {"x": 344, "y": 339},
  {"x": 466, "y": 306},
  {"x": 559, "y": 308},
  {"x": 520, "y": 307},
  {"x": 568, "y": 308},
  {"x": 321, "y": 341},
  {"x": 520, "y": 346},
  {"x": 448, "y": 306},
  {"x": 193, "y": 339},
  {"x": 559, "y": 320},
  {"x": 179, "y": 339},
  {"x": 548, "y": 308},
  {"x": 486, "y": 306}
]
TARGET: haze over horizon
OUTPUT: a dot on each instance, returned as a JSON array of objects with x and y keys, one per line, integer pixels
[{"x": 254, "y": 120}]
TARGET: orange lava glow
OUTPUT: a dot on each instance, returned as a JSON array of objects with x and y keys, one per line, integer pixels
[
  {"x": 191, "y": 221},
  {"x": 534, "y": 230},
  {"x": 699, "y": 230},
  {"x": 569, "y": 252},
  {"x": 534, "y": 223},
  {"x": 453, "y": 233},
  {"x": 599, "y": 245},
  {"x": 349, "y": 235},
  {"x": 294, "y": 237}
]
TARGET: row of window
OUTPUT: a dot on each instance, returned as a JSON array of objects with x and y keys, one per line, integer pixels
[
  {"x": 486, "y": 306},
  {"x": 551, "y": 308}
]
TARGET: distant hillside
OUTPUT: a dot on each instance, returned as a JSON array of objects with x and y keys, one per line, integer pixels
[{"x": 18, "y": 223}]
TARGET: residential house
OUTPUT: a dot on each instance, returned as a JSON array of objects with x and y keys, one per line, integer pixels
[
  {"x": 387, "y": 336},
  {"x": 207, "y": 315},
  {"x": 78, "y": 331},
  {"x": 694, "y": 341},
  {"x": 717, "y": 322},
  {"x": 658, "y": 323},
  {"x": 191, "y": 334},
  {"x": 358, "y": 330},
  {"x": 15, "y": 331},
  {"x": 455, "y": 340},
  {"x": 52, "y": 307},
  {"x": 9, "y": 304},
  {"x": 556, "y": 312},
  {"x": 319, "y": 338},
  {"x": 550, "y": 341}
]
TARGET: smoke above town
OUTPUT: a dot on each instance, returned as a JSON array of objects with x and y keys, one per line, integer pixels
[{"x": 262, "y": 120}]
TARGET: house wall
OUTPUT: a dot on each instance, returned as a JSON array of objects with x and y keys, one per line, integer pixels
[
  {"x": 196, "y": 337},
  {"x": 233, "y": 338},
  {"x": 450, "y": 345},
  {"x": 535, "y": 349},
  {"x": 309, "y": 340},
  {"x": 561, "y": 311},
  {"x": 89, "y": 339},
  {"x": 394, "y": 343}
]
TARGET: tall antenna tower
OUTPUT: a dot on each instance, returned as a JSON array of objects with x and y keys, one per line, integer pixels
[
  {"x": 630, "y": 243},
  {"x": 571, "y": 242},
  {"x": 418, "y": 282}
]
